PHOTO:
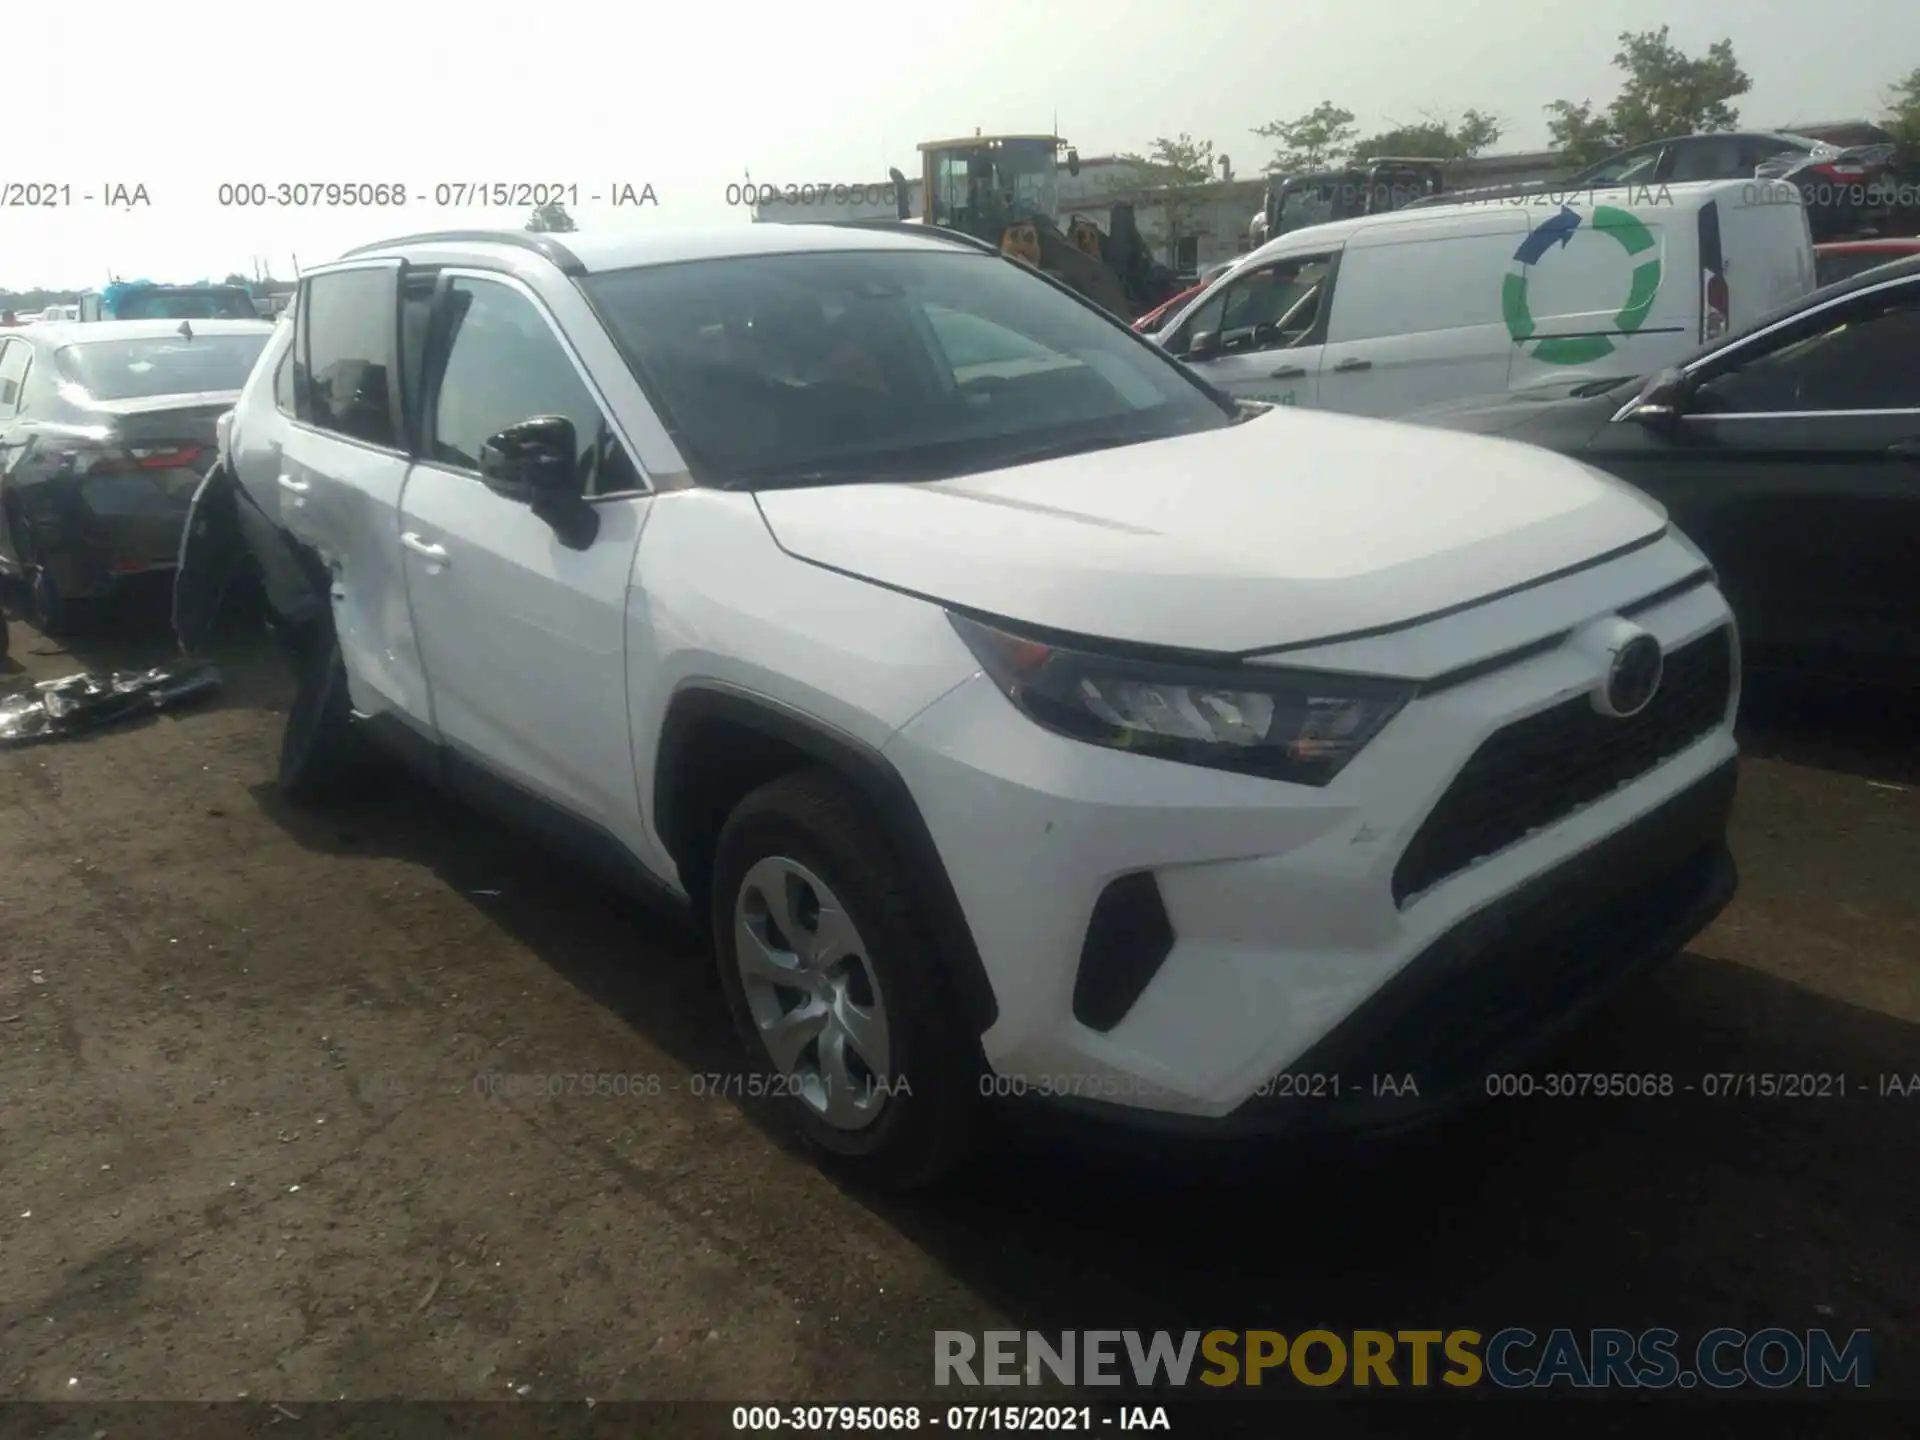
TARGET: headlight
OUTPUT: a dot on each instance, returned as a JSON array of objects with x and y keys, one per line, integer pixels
[{"x": 1284, "y": 725}]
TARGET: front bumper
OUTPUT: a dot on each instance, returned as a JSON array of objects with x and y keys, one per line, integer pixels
[
  {"x": 1496, "y": 990},
  {"x": 1283, "y": 947},
  {"x": 89, "y": 548}
]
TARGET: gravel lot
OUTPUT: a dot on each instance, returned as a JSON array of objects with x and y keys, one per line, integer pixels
[{"x": 242, "y": 1149}]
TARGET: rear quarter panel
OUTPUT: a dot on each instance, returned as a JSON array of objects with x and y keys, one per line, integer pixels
[
  {"x": 1769, "y": 250},
  {"x": 1619, "y": 295}
]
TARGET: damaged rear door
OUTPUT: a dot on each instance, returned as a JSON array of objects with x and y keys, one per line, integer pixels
[{"x": 343, "y": 464}]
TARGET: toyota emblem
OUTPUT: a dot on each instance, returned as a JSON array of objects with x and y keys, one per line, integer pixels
[{"x": 1633, "y": 676}]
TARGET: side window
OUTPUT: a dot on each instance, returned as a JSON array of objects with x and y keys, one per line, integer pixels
[
  {"x": 504, "y": 365},
  {"x": 1274, "y": 306},
  {"x": 1858, "y": 359},
  {"x": 1634, "y": 167},
  {"x": 348, "y": 327},
  {"x": 1706, "y": 157},
  {"x": 14, "y": 357},
  {"x": 1759, "y": 148}
]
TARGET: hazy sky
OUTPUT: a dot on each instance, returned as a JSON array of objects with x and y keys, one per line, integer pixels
[{"x": 688, "y": 97}]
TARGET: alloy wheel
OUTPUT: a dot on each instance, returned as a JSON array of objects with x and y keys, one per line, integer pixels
[{"x": 812, "y": 992}]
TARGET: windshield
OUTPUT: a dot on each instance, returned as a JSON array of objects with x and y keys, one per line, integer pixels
[
  {"x": 976, "y": 187},
  {"x": 210, "y": 304},
  {"x": 806, "y": 369},
  {"x": 164, "y": 365}
]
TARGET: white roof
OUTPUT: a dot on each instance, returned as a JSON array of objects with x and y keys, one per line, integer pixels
[
  {"x": 617, "y": 250},
  {"x": 1509, "y": 212}
]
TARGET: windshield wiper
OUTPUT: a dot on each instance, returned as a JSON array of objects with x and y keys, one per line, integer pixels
[{"x": 1061, "y": 449}]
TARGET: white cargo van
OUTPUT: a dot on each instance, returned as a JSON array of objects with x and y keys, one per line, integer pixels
[{"x": 1387, "y": 313}]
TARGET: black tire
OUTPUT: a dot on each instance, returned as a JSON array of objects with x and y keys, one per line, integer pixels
[
  {"x": 320, "y": 753},
  {"x": 930, "y": 1118}
]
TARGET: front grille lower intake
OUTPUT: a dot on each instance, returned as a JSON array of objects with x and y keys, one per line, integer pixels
[
  {"x": 1539, "y": 770},
  {"x": 1128, "y": 938}
]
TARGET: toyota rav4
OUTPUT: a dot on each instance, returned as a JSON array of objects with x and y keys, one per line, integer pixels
[{"x": 1019, "y": 715}]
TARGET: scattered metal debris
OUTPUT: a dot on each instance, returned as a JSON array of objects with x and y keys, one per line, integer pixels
[{"x": 75, "y": 704}]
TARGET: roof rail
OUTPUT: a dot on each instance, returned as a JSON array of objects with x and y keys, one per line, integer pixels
[
  {"x": 910, "y": 227},
  {"x": 540, "y": 244}
]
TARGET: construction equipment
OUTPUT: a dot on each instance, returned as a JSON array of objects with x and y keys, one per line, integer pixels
[
  {"x": 1380, "y": 184},
  {"x": 1005, "y": 189}
]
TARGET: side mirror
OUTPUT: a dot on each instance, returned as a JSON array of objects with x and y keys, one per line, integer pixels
[
  {"x": 1662, "y": 399},
  {"x": 537, "y": 461},
  {"x": 1203, "y": 346},
  {"x": 1073, "y": 163},
  {"x": 902, "y": 206}
]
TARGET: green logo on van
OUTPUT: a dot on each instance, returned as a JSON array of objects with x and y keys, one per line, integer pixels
[{"x": 1634, "y": 238}]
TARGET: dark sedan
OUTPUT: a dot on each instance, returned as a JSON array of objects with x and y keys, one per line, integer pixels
[
  {"x": 1790, "y": 453},
  {"x": 105, "y": 431}
]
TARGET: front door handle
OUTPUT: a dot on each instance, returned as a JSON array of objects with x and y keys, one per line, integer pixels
[
  {"x": 1347, "y": 367},
  {"x": 435, "y": 553},
  {"x": 1286, "y": 372},
  {"x": 1908, "y": 449},
  {"x": 293, "y": 486}
]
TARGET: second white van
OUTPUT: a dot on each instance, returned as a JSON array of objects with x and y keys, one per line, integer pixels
[{"x": 1388, "y": 313}]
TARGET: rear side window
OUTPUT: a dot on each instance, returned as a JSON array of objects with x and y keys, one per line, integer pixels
[{"x": 349, "y": 331}]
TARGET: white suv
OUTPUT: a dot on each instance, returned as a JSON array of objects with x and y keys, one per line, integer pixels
[{"x": 1023, "y": 717}]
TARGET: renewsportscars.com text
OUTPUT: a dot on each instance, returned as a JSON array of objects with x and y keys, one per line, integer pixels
[{"x": 1509, "y": 1359}]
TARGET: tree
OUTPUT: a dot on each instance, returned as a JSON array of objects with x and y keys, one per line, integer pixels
[
  {"x": 1320, "y": 138},
  {"x": 1178, "y": 171},
  {"x": 1578, "y": 134},
  {"x": 1666, "y": 92},
  {"x": 1903, "y": 115},
  {"x": 1434, "y": 138},
  {"x": 551, "y": 216},
  {"x": 234, "y": 277}
]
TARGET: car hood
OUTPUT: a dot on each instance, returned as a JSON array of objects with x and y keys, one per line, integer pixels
[{"x": 1292, "y": 527}]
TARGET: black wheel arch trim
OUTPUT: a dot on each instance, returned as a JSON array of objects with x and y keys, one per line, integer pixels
[{"x": 871, "y": 774}]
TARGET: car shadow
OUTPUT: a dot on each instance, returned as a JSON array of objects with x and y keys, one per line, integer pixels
[
  {"x": 135, "y": 633},
  {"x": 1853, "y": 730},
  {"x": 1713, "y": 1204}
]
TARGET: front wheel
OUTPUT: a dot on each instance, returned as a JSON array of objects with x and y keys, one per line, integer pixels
[{"x": 835, "y": 987}]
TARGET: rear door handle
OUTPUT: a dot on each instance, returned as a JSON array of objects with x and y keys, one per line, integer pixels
[
  {"x": 435, "y": 553},
  {"x": 293, "y": 486},
  {"x": 1347, "y": 367},
  {"x": 1905, "y": 449},
  {"x": 1286, "y": 372}
]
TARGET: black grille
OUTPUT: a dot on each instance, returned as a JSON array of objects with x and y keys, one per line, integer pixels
[{"x": 1538, "y": 770}]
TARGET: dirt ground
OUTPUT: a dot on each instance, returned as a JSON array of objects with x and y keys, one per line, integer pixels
[{"x": 242, "y": 1149}]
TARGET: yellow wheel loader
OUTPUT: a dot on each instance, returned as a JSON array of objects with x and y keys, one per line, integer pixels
[{"x": 1005, "y": 190}]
